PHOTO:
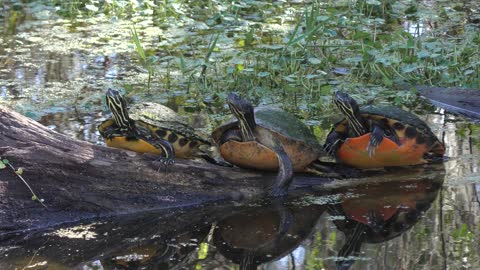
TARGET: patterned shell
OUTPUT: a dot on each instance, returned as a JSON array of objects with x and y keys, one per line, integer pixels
[
  {"x": 279, "y": 122},
  {"x": 405, "y": 124},
  {"x": 162, "y": 117}
]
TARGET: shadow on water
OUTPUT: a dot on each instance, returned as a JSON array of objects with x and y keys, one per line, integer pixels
[{"x": 329, "y": 227}]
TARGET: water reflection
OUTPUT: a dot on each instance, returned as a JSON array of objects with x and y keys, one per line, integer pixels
[
  {"x": 377, "y": 213},
  {"x": 263, "y": 234},
  {"x": 280, "y": 235},
  {"x": 154, "y": 240}
]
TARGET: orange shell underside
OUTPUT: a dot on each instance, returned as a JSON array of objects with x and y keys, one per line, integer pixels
[
  {"x": 256, "y": 156},
  {"x": 354, "y": 153},
  {"x": 142, "y": 146}
]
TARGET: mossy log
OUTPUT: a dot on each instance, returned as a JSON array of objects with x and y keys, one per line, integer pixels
[{"x": 79, "y": 180}]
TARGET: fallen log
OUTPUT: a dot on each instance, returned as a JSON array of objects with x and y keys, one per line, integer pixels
[
  {"x": 79, "y": 180},
  {"x": 461, "y": 101}
]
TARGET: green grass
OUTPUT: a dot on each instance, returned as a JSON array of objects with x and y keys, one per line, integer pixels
[{"x": 297, "y": 67}]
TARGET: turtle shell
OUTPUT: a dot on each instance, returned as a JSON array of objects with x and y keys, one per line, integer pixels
[
  {"x": 158, "y": 116},
  {"x": 154, "y": 118},
  {"x": 415, "y": 138},
  {"x": 298, "y": 141}
]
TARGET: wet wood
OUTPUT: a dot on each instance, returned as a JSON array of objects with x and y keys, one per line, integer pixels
[
  {"x": 456, "y": 100},
  {"x": 79, "y": 180}
]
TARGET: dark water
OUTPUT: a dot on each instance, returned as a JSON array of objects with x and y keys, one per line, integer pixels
[
  {"x": 55, "y": 70},
  {"x": 364, "y": 225}
]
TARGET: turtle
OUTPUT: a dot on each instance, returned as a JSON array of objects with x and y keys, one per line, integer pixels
[
  {"x": 150, "y": 128},
  {"x": 380, "y": 136},
  {"x": 266, "y": 138}
]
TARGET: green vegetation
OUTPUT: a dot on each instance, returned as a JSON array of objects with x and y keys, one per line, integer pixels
[
  {"x": 147, "y": 62},
  {"x": 285, "y": 53},
  {"x": 5, "y": 164}
]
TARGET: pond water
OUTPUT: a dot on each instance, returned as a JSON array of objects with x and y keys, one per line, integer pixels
[{"x": 55, "y": 69}]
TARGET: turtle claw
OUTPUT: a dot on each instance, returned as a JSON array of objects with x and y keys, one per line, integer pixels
[
  {"x": 169, "y": 161},
  {"x": 275, "y": 192},
  {"x": 371, "y": 150},
  {"x": 165, "y": 162}
]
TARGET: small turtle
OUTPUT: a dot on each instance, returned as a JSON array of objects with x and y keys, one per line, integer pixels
[
  {"x": 150, "y": 128},
  {"x": 380, "y": 136},
  {"x": 266, "y": 139}
]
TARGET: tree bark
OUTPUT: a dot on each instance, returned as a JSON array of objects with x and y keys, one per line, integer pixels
[{"x": 79, "y": 180}]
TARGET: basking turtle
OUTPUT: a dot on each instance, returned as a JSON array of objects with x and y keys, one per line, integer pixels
[
  {"x": 149, "y": 128},
  {"x": 267, "y": 139},
  {"x": 380, "y": 136}
]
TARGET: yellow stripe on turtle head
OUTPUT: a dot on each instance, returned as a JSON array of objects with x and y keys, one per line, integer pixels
[{"x": 118, "y": 105}]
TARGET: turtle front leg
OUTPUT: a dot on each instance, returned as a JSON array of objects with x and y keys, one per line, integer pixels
[
  {"x": 110, "y": 132},
  {"x": 333, "y": 143},
  {"x": 168, "y": 152},
  {"x": 376, "y": 138},
  {"x": 164, "y": 146},
  {"x": 285, "y": 167}
]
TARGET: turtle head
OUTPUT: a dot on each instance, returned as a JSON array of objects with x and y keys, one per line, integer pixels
[
  {"x": 346, "y": 104},
  {"x": 243, "y": 111},
  {"x": 349, "y": 107},
  {"x": 118, "y": 105}
]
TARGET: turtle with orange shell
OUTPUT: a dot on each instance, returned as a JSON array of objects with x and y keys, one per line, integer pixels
[{"x": 380, "y": 136}]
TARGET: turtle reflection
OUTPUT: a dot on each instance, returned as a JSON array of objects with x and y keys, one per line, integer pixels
[
  {"x": 162, "y": 252},
  {"x": 377, "y": 213},
  {"x": 262, "y": 234}
]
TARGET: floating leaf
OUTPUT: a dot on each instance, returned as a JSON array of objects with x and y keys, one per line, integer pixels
[
  {"x": 330, "y": 32},
  {"x": 2, "y": 166},
  {"x": 468, "y": 72},
  {"x": 5, "y": 161},
  {"x": 230, "y": 70},
  {"x": 341, "y": 71},
  {"x": 92, "y": 8},
  {"x": 311, "y": 76},
  {"x": 423, "y": 54},
  {"x": 323, "y": 18},
  {"x": 355, "y": 60},
  {"x": 290, "y": 78},
  {"x": 19, "y": 171},
  {"x": 409, "y": 68},
  {"x": 374, "y": 2},
  {"x": 263, "y": 74},
  {"x": 314, "y": 61},
  {"x": 34, "y": 198}
]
